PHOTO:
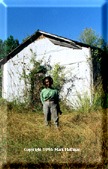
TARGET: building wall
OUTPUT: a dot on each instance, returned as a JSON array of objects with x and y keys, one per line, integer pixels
[{"x": 76, "y": 61}]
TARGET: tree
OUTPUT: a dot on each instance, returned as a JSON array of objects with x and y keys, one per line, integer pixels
[
  {"x": 7, "y": 46},
  {"x": 89, "y": 36},
  {"x": 10, "y": 44},
  {"x": 99, "y": 57},
  {"x": 1, "y": 49}
]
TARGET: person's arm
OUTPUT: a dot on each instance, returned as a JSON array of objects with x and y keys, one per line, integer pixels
[
  {"x": 41, "y": 97},
  {"x": 58, "y": 105}
]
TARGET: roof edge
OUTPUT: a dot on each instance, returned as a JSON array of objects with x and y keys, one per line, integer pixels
[{"x": 35, "y": 36}]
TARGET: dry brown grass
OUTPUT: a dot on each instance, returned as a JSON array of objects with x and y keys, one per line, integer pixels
[
  {"x": 27, "y": 130},
  {"x": 3, "y": 134}
]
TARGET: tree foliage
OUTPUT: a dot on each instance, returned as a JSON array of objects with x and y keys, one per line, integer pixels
[
  {"x": 89, "y": 36},
  {"x": 1, "y": 49},
  {"x": 35, "y": 78},
  {"x": 58, "y": 76},
  {"x": 33, "y": 84},
  {"x": 7, "y": 46},
  {"x": 99, "y": 61},
  {"x": 10, "y": 44}
]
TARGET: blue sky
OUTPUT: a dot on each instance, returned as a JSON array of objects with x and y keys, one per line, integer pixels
[{"x": 67, "y": 18}]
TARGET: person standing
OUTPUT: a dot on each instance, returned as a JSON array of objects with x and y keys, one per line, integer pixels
[{"x": 50, "y": 100}]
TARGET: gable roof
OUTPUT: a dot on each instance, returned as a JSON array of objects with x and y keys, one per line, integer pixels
[{"x": 57, "y": 40}]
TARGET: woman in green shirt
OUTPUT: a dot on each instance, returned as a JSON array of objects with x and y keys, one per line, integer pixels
[{"x": 50, "y": 100}]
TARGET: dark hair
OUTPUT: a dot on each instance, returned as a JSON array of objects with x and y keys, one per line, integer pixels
[{"x": 49, "y": 78}]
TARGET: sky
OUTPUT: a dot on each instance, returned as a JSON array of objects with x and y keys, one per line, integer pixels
[{"x": 67, "y": 18}]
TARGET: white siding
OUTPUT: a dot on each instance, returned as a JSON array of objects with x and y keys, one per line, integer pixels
[{"x": 75, "y": 61}]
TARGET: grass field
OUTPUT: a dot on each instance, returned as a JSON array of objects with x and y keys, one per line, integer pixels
[{"x": 27, "y": 140}]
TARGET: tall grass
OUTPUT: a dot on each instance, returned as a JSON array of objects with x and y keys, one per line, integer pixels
[
  {"x": 29, "y": 141},
  {"x": 86, "y": 104},
  {"x": 27, "y": 131},
  {"x": 3, "y": 131}
]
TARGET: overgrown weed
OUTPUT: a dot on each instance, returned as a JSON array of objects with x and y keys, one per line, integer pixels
[{"x": 26, "y": 130}]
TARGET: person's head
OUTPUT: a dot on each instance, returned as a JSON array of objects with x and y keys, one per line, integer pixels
[{"x": 48, "y": 81}]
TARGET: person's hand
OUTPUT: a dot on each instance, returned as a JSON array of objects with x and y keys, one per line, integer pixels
[{"x": 60, "y": 112}]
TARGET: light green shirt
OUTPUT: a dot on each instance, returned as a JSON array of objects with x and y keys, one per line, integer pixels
[{"x": 49, "y": 93}]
